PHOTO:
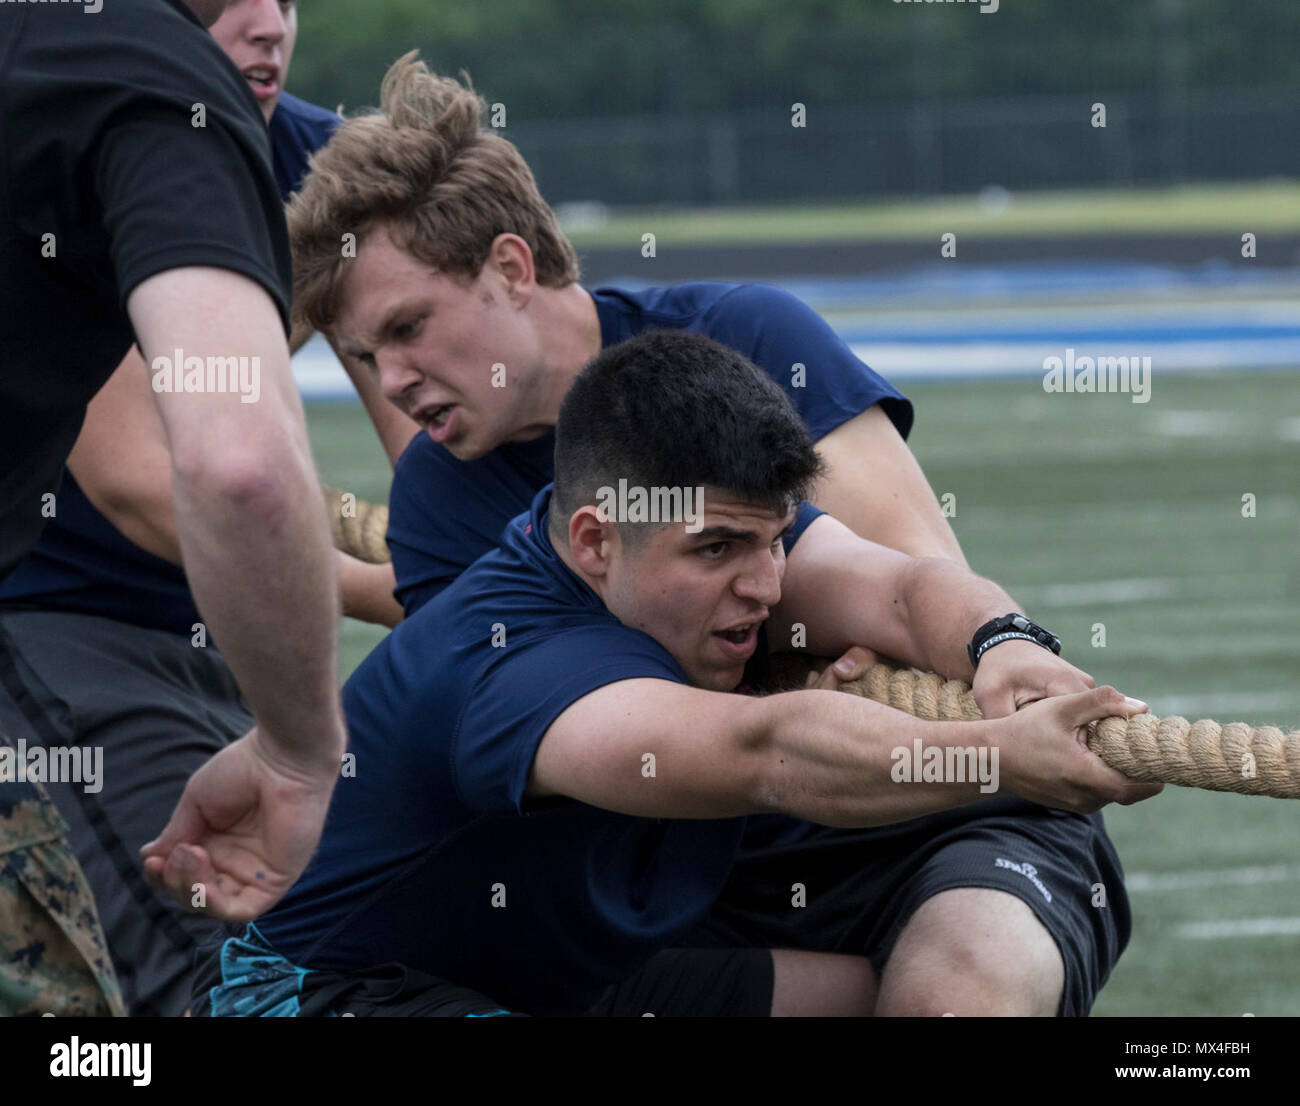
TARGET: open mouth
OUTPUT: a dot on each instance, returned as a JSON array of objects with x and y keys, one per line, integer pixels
[
  {"x": 739, "y": 642},
  {"x": 439, "y": 422},
  {"x": 264, "y": 80}
]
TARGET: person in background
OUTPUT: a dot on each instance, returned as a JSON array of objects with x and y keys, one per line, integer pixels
[{"x": 102, "y": 645}]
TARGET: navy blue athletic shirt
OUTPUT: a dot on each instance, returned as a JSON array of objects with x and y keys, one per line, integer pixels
[
  {"x": 431, "y": 857},
  {"x": 298, "y": 130},
  {"x": 82, "y": 562},
  {"x": 445, "y": 513}
]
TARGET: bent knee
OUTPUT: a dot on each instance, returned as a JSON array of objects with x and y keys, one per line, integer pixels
[{"x": 973, "y": 952}]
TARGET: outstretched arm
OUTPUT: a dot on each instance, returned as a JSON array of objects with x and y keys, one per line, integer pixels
[{"x": 818, "y": 755}]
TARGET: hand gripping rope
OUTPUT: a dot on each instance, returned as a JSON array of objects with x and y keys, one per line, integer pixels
[{"x": 1250, "y": 760}]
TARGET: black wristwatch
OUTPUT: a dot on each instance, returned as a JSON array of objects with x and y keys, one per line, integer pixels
[{"x": 1010, "y": 627}]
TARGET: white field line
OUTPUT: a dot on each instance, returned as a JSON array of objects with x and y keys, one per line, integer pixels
[
  {"x": 1199, "y": 878},
  {"x": 1239, "y": 927},
  {"x": 1066, "y": 317},
  {"x": 1201, "y": 424},
  {"x": 1220, "y": 704},
  {"x": 1222, "y": 928},
  {"x": 1103, "y": 591},
  {"x": 1175, "y": 423},
  {"x": 1234, "y": 585}
]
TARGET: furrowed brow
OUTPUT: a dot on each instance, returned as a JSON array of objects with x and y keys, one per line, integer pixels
[
  {"x": 386, "y": 325},
  {"x": 723, "y": 533}
]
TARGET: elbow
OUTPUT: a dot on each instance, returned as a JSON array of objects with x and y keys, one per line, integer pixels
[{"x": 255, "y": 488}]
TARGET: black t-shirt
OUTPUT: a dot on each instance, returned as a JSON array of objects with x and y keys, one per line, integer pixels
[{"x": 105, "y": 180}]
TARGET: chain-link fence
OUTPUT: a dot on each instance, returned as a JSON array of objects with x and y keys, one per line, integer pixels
[{"x": 920, "y": 148}]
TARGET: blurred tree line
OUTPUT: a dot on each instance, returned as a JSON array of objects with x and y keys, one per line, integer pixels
[{"x": 556, "y": 59}]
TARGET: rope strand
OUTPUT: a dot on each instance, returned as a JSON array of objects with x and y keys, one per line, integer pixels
[
  {"x": 357, "y": 527},
  {"x": 1249, "y": 760}
]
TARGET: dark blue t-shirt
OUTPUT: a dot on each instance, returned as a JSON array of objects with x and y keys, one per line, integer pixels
[
  {"x": 82, "y": 562},
  {"x": 298, "y": 130},
  {"x": 431, "y": 855},
  {"x": 445, "y": 513}
]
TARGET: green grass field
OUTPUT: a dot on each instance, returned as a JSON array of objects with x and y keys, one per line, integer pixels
[
  {"x": 1092, "y": 509},
  {"x": 1227, "y": 208}
]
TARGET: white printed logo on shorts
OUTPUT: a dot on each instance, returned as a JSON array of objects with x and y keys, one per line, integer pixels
[{"x": 1028, "y": 871}]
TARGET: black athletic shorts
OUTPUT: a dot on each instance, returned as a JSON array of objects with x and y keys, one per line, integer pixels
[{"x": 860, "y": 887}]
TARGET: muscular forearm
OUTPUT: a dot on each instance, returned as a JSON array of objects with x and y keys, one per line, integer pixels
[
  {"x": 263, "y": 574},
  {"x": 829, "y": 758},
  {"x": 246, "y": 503},
  {"x": 945, "y": 604}
]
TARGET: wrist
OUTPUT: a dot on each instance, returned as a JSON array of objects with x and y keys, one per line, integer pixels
[
  {"x": 1009, "y": 627},
  {"x": 307, "y": 759}
]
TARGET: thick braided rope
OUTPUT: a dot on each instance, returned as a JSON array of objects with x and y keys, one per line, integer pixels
[
  {"x": 357, "y": 527},
  {"x": 1250, "y": 760}
]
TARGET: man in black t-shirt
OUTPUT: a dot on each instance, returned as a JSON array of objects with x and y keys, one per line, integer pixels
[{"x": 137, "y": 202}]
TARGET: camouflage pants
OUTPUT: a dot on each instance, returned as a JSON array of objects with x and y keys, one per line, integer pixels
[{"x": 53, "y": 957}]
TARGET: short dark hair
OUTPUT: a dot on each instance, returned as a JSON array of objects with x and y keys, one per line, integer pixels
[{"x": 678, "y": 410}]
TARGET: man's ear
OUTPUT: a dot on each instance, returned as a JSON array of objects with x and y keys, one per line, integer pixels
[
  {"x": 591, "y": 541},
  {"x": 510, "y": 256}
]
